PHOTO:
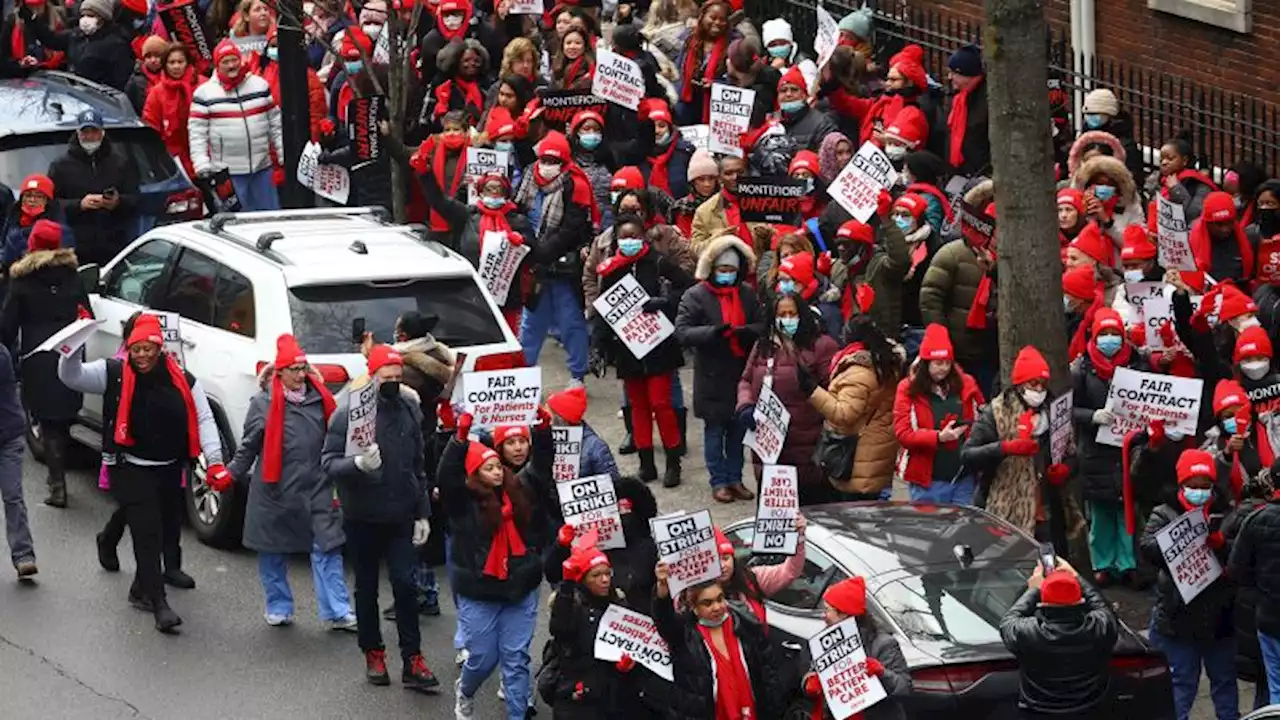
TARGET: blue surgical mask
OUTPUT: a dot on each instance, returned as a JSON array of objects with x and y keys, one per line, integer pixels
[
  {"x": 504, "y": 146},
  {"x": 1197, "y": 496},
  {"x": 1175, "y": 435},
  {"x": 713, "y": 623},
  {"x": 493, "y": 203},
  {"x": 1229, "y": 426},
  {"x": 1110, "y": 344},
  {"x": 904, "y": 223},
  {"x": 780, "y": 51},
  {"x": 788, "y": 325},
  {"x": 1133, "y": 276},
  {"x": 726, "y": 278},
  {"x": 353, "y": 67},
  {"x": 1093, "y": 121},
  {"x": 630, "y": 246},
  {"x": 786, "y": 286},
  {"x": 590, "y": 141},
  {"x": 1104, "y": 192},
  {"x": 792, "y": 107},
  {"x": 273, "y": 54}
]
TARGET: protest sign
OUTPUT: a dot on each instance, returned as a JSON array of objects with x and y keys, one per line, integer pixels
[
  {"x": 687, "y": 544},
  {"x": 772, "y": 420},
  {"x": 626, "y": 632},
  {"x": 618, "y": 79},
  {"x": 699, "y": 136},
  {"x": 1155, "y": 311},
  {"x": 590, "y": 503},
  {"x": 622, "y": 307},
  {"x": 481, "y": 162},
  {"x": 828, "y": 36},
  {"x": 977, "y": 228},
  {"x": 185, "y": 24},
  {"x": 363, "y": 114},
  {"x": 331, "y": 182},
  {"x": 502, "y": 397},
  {"x": 1184, "y": 543},
  {"x": 776, "y": 513},
  {"x": 1137, "y": 398},
  {"x": 771, "y": 199},
  {"x": 218, "y": 191},
  {"x": 559, "y": 106},
  {"x": 730, "y": 117},
  {"x": 857, "y": 187},
  {"x": 171, "y": 330},
  {"x": 69, "y": 339},
  {"x": 568, "y": 457},
  {"x": 1173, "y": 241},
  {"x": 841, "y": 664},
  {"x": 362, "y": 417},
  {"x": 1061, "y": 429},
  {"x": 1268, "y": 261},
  {"x": 1137, "y": 294},
  {"x": 499, "y": 262}
]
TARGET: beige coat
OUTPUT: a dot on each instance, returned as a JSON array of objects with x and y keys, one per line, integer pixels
[{"x": 856, "y": 403}]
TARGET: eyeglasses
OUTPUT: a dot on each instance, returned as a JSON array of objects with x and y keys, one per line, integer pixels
[{"x": 295, "y": 369}]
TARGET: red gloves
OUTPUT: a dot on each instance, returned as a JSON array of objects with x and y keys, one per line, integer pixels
[
  {"x": 218, "y": 478},
  {"x": 326, "y": 127},
  {"x": 884, "y": 203},
  {"x": 874, "y": 667},
  {"x": 565, "y": 535},
  {"x": 544, "y": 419},
  {"x": 1216, "y": 540},
  {"x": 824, "y": 264},
  {"x": 1020, "y": 447},
  {"x": 812, "y": 686},
  {"x": 1155, "y": 434},
  {"x": 464, "y": 426},
  {"x": 444, "y": 411},
  {"x": 515, "y": 238},
  {"x": 83, "y": 313},
  {"x": 625, "y": 663},
  {"x": 1057, "y": 474},
  {"x": 1167, "y": 333},
  {"x": 277, "y": 176}
]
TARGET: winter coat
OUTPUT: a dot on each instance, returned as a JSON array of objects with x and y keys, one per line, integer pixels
[
  {"x": 1128, "y": 209},
  {"x": 896, "y": 679},
  {"x": 605, "y": 692},
  {"x": 16, "y": 234},
  {"x": 946, "y": 294},
  {"x": 238, "y": 129},
  {"x": 977, "y": 145},
  {"x": 1100, "y": 464},
  {"x": 298, "y": 511},
  {"x": 45, "y": 295},
  {"x": 595, "y": 457},
  {"x": 666, "y": 239},
  {"x": 1244, "y": 567},
  {"x": 100, "y": 234},
  {"x": 556, "y": 250},
  {"x": 650, "y": 271},
  {"x": 395, "y": 492},
  {"x": 428, "y": 368},
  {"x": 104, "y": 57},
  {"x": 1208, "y": 616},
  {"x": 917, "y": 429},
  {"x": 1190, "y": 193},
  {"x": 716, "y": 368},
  {"x": 1063, "y": 652},
  {"x": 13, "y": 422},
  {"x": 1255, "y": 564},
  {"x": 168, "y": 110},
  {"x": 808, "y": 127},
  {"x": 677, "y": 166},
  {"x": 885, "y": 271},
  {"x": 856, "y": 402},
  {"x": 709, "y": 223}
]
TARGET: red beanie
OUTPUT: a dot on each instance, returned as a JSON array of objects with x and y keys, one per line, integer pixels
[
  {"x": 582, "y": 116},
  {"x": 1072, "y": 197},
  {"x": 911, "y": 70},
  {"x": 1029, "y": 365},
  {"x": 1079, "y": 283},
  {"x": 39, "y": 183},
  {"x": 478, "y": 454},
  {"x": 909, "y": 126},
  {"x": 1196, "y": 463},
  {"x": 353, "y": 41},
  {"x": 656, "y": 109},
  {"x": 1228, "y": 394},
  {"x": 1218, "y": 207},
  {"x": 226, "y": 48},
  {"x": 137, "y": 7},
  {"x": 1091, "y": 242},
  {"x": 805, "y": 160},
  {"x": 912, "y": 203},
  {"x": 1137, "y": 244},
  {"x": 570, "y": 404},
  {"x": 798, "y": 267},
  {"x": 793, "y": 76},
  {"x": 499, "y": 124},
  {"x": 44, "y": 235},
  {"x": 553, "y": 145},
  {"x": 936, "y": 344},
  {"x": 857, "y": 232},
  {"x": 1253, "y": 342},
  {"x": 1107, "y": 319},
  {"x": 1234, "y": 304},
  {"x": 723, "y": 546},
  {"x": 382, "y": 355},
  {"x": 503, "y": 433},
  {"x": 288, "y": 352},
  {"x": 849, "y": 596},
  {"x": 146, "y": 329},
  {"x": 1061, "y": 587},
  {"x": 627, "y": 178}
]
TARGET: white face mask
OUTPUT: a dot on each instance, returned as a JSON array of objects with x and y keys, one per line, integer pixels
[
  {"x": 373, "y": 30},
  {"x": 90, "y": 147},
  {"x": 1034, "y": 398},
  {"x": 89, "y": 24},
  {"x": 452, "y": 22},
  {"x": 1255, "y": 369},
  {"x": 549, "y": 172}
]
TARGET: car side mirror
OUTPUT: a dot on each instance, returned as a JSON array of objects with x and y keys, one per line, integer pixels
[{"x": 90, "y": 277}]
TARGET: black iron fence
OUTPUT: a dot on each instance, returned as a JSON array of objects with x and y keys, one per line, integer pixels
[{"x": 1225, "y": 128}]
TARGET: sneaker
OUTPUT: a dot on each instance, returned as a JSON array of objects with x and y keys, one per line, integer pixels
[
  {"x": 278, "y": 620},
  {"x": 463, "y": 707},
  {"x": 576, "y": 383},
  {"x": 26, "y": 568},
  {"x": 345, "y": 624},
  {"x": 417, "y": 676},
  {"x": 375, "y": 667},
  {"x": 461, "y": 658}
]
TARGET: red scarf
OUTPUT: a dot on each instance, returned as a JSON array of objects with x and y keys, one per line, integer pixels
[
  {"x": 231, "y": 83},
  {"x": 494, "y": 220},
  {"x": 18, "y": 47},
  {"x": 1202, "y": 249},
  {"x": 731, "y": 312},
  {"x": 470, "y": 94},
  {"x": 449, "y": 189},
  {"x": 958, "y": 120},
  {"x": 506, "y": 542},
  {"x": 658, "y": 165},
  {"x": 1080, "y": 340},
  {"x": 578, "y": 69},
  {"x": 920, "y": 187},
  {"x": 620, "y": 262},
  {"x": 273, "y": 436},
  {"x": 733, "y": 216},
  {"x": 582, "y": 194},
  {"x": 734, "y": 699},
  {"x": 692, "y": 54},
  {"x": 1189, "y": 174},
  {"x": 1106, "y": 366},
  {"x": 977, "y": 319},
  {"x": 124, "y": 432}
]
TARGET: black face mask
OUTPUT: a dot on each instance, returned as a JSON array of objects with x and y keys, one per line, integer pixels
[
  {"x": 389, "y": 389},
  {"x": 1268, "y": 223}
]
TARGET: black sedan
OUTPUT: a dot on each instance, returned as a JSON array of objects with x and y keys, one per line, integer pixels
[{"x": 941, "y": 578}]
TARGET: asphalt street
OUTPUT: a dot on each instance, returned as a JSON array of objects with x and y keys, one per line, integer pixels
[{"x": 71, "y": 647}]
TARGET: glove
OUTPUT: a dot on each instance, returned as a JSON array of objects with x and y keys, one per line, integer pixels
[
  {"x": 515, "y": 238},
  {"x": 824, "y": 264},
  {"x": 277, "y": 176},
  {"x": 370, "y": 460},
  {"x": 1167, "y": 333},
  {"x": 421, "y": 531},
  {"x": 218, "y": 478},
  {"x": 884, "y": 203},
  {"x": 564, "y": 537},
  {"x": 1020, "y": 447},
  {"x": 444, "y": 413},
  {"x": 747, "y": 416},
  {"x": 625, "y": 663},
  {"x": 806, "y": 380},
  {"x": 655, "y": 304},
  {"x": 464, "y": 426},
  {"x": 570, "y": 570},
  {"x": 1155, "y": 434},
  {"x": 1057, "y": 474},
  {"x": 326, "y": 127},
  {"x": 544, "y": 419},
  {"x": 875, "y": 668},
  {"x": 1103, "y": 416},
  {"x": 813, "y": 686},
  {"x": 1216, "y": 540}
]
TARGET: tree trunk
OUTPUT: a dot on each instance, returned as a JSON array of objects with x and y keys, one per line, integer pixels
[
  {"x": 1030, "y": 280},
  {"x": 397, "y": 72}
]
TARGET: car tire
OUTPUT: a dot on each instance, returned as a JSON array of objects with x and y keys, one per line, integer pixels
[
  {"x": 217, "y": 518},
  {"x": 35, "y": 441}
]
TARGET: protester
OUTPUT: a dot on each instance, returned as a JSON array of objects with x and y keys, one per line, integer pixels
[
  {"x": 667, "y": 165},
  {"x": 586, "y": 138},
  {"x": 1110, "y": 198},
  {"x": 1102, "y": 112},
  {"x": 35, "y": 204},
  {"x": 1219, "y": 243},
  {"x": 21, "y": 49},
  {"x": 968, "y": 148},
  {"x": 148, "y": 73},
  {"x": 1247, "y": 566},
  {"x": 461, "y": 70},
  {"x": 721, "y": 212},
  {"x": 702, "y": 59},
  {"x": 747, "y": 588},
  {"x": 956, "y": 293},
  {"x": 97, "y": 49},
  {"x": 96, "y": 185},
  {"x": 569, "y": 409},
  {"x": 1178, "y": 182},
  {"x": 13, "y": 429},
  {"x": 807, "y": 125},
  {"x": 168, "y": 104}
]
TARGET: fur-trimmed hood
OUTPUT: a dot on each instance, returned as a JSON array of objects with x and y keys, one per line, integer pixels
[
  {"x": 33, "y": 261},
  {"x": 1111, "y": 167},
  {"x": 1094, "y": 137},
  {"x": 715, "y": 247},
  {"x": 429, "y": 357},
  {"x": 980, "y": 195}
]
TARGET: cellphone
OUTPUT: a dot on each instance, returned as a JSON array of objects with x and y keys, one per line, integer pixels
[
  {"x": 109, "y": 192},
  {"x": 1048, "y": 558},
  {"x": 357, "y": 330}
]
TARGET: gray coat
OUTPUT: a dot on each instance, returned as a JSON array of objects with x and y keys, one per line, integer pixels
[{"x": 287, "y": 516}]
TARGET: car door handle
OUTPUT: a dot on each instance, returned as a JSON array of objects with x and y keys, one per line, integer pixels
[
  {"x": 188, "y": 343},
  {"x": 791, "y": 646}
]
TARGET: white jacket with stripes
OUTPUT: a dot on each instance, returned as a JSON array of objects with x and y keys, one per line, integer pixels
[{"x": 236, "y": 129}]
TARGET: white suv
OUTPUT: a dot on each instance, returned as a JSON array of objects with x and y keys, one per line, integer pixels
[{"x": 240, "y": 280}]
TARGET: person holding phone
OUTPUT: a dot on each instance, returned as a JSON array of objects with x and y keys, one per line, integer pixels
[{"x": 96, "y": 188}]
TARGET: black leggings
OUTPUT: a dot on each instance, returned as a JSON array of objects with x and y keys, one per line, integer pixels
[
  {"x": 171, "y": 550},
  {"x": 150, "y": 497}
]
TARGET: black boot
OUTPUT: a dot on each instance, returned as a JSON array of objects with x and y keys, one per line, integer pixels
[
  {"x": 682, "y": 421},
  {"x": 671, "y": 478},
  {"x": 55, "y": 459},
  {"x": 648, "y": 471},
  {"x": 628, "y": 446},
  {"x": 167, "y": 621},
  {"x": 107, "y": 556},
  {"x": 173, "y": 575}
]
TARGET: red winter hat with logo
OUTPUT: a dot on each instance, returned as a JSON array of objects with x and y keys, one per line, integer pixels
[
  {"x": 1235, "y": 304},
  {"x": 1228, "y": 394},
  {"x": 1107, "y": 319},
  {"x": 355, "y": 40},
  {"x": 37, "y": 183},
  {"x": 288, "y": 352},
  {"x": 723, "y": 546},
  {"x": 1219, "y": 207},
  {"x": 1196, "y": 463},
  {"x": 1079, "y": 282},
  {"x": 570, "y": 404},
  {"x": 1029, "y": 365},
  {"x": 936, "y": 344},
  {"x": 146, "y": 329},
  {"x": 793, "y": 76},
  {"x": 1072, "y": 197},
  {"x": 848, "y": 596},
  {"x": 500, "y": 124},
  {"x": 1091, "y": 242},
  {"x": 503, "y": 433},
  {"x": 910, "y": 127},
  {"x": 857, "y": 232},
  {"x": 1061, "y": 587},
  {"x": 799, "y": 267},
  {"x": 627, "y": 178},
  {"x": 478, "y": 454},
  {"x": 383, "y": 355},
  {"x": 1253, "y": 342},
  {"x": 912, "y": 203},
  {"x": 804, "y": 160},
  {"x": 1137, "y": 244},
  {"x": 224, "y": 49},
  {"x": 553, "y": 145}
]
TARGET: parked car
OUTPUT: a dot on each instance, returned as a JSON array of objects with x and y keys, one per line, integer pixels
[
  {"x": 38, "y": 115},
  {"x": 240, "y": 280},
  {"x": 940, "y": 578}
]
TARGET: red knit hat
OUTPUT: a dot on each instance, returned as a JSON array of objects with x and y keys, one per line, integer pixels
[
  {"x": 936, "y": 344},
  {"x": 857, "y": 232},
  {"x": 910, "y": 127},
  {"x": 911, "y": 70},
  {"x": 146, "y": 329},
  {"x": 570, "y": 404},
  {"x": 499, "y": 124},
  {"x": 353, "y": 41},
  {"x": 44, "y": 235},
  {"x": 584, "y": 556},
  {"x": 138, "y": 7},
  {"x": 798, "y": 267},
  {"x": 39, "y": 183},
  {"x": 288, "y": 352},
  {"x": 849, "y": 596},
  {"x": 582, "y": 116},
  {"x": 553, "y": 145},
  {"x": 1091, "y": 242},
  {"x": 793, "y": 76},
  {"x": 1234, "y": 304},
  {"x": 723, "y": 546},
  {"x": 1107, "y": 319},
  {"x": 478, "y": 454},
  {"x": 1196, "y": 463},
  {"x": 503, "y": 433},
  {"x": 805, "y": 160},
  {"x": 1029, "y": 365},
  {"x": 656, "y": 109},
  {"x": 1079, "y": 282},
  {"x": 1218, "y": 207},
  {"x": 912, "y": 203},
  {"x": 1061, "y": 587},
  {"x": 1072, "y": 197},
  {"x": 627, "y": 178},
  {"x": 1137, "y": 244},
  {"x": 1228, "y": 394},
  {"x": 224, "y": 49},
  {"x": 382, "y": 355},
  {"x": 1253, "y": 342}
]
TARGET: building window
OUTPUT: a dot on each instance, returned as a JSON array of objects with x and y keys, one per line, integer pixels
[{"x": 1230, "y": 14}]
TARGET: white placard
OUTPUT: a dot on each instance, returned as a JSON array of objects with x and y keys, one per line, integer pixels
[
  {"x": 499, "y": 263},
  {"x": 730, "y": 117},
  {"x": 1137, "y": 294},
  {"x": 69, "y": 339},
  {"x": 841, "y": 664},
  {"x": 502, "y": 397},
  {"x": 687, "y": 544},
  {"x": 772, "y": 420},
  {"x": 331, "y": 182},
  {"x": 857, "y": 187},
  {"x": 526, "y": 7},
  {"x": 171, "y": 330},
  {"x": 481, "y": 162},
  {"x": 1061, "y": 429},
  {"x": 568, "y": 457},
  {"x": 777, "y": 511},
  {"x": 362, "y": 417},
  {"x": 828, "y": 36},
  {"x": 590, "y": 503},
  {"x": 1156, "y": 311},
  {"x": 618, "y": 79},
  {"x": 1137, "y": 398},
  {"x": 1173, "y": 240},
  {"x": 697, "y": 135},
  {"x": 627, "y": 632},
  {"x": 622, "y": 307},
  {"x": 1185, "y": 547}
]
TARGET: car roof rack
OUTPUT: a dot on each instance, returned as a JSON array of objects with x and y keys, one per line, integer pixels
[{"x": 219, "y": 221}]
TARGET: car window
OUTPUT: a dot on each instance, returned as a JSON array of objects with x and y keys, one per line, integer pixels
[
  {"x": 191, "y": 287},
  {"x": 133, "y": 278},
  {"x": 804, "y": 592},
  {"x": 233, "y": 303},
  {"x": 20, "y": 155},
  {"x": 962, "y": 606}
]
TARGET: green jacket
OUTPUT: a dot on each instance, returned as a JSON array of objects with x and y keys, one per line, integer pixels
[
  {"x": 884, "y": 273},
  {"x": 947, "y": 293}
]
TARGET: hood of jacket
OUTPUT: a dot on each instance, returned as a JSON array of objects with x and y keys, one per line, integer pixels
[
  {"x": 429, "y": 357},
  {"x": 715, "y": 247},
  {"x": 40, "y": 259},
  {"x": 1093, "y": 137},
  {"x": 1112, "y": 168},
  {"x": 981, "y": 194}
]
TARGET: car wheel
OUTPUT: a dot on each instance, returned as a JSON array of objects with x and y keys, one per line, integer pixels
[
  {"x": 217, "y": 518},
  {"x": 35, "y": 439}
]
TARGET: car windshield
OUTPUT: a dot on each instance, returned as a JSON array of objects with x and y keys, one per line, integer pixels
[
  {"x": 323, "y": 314},
  {"x": 21, "y": 155},
  {"x": 956, "y": 605}
]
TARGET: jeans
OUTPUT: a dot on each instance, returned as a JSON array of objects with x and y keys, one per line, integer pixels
[
  {"x": 459, "y": 638},
  {"x": 256, "y": 191},
  {"x": 1109, "y": 543},
  {"x": 558, "y": 301},
  {"x": 370, "y": 543},
  {"x": 154, "y": 507},
  {"x": 326, "y": 575},
  {"x": 722, "y": 448},
  {"x": 16, "y": 528},
  {"x": 499, "y": 633},
  {"x": 1185, "y": 659},
  {"x": 944, "y": 491},
  {"x": 1271, "y": 662}
]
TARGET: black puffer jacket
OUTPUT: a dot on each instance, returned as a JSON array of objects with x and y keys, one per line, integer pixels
[
  {"x": 1099, "y": 466},
  {"x": 104, "y": 57},
  {"x": 100, "y": 234},
  {"x": 1208, "y": 616},
  {"x": 1063, "y": 652},
  {"x": 1255, "y": 563},
  {"x": 1251, "y": 567}
]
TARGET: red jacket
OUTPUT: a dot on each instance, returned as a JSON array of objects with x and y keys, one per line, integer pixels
[
  {"x": 167, "y": 108},
  {"x": 916, "y": 428}
]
